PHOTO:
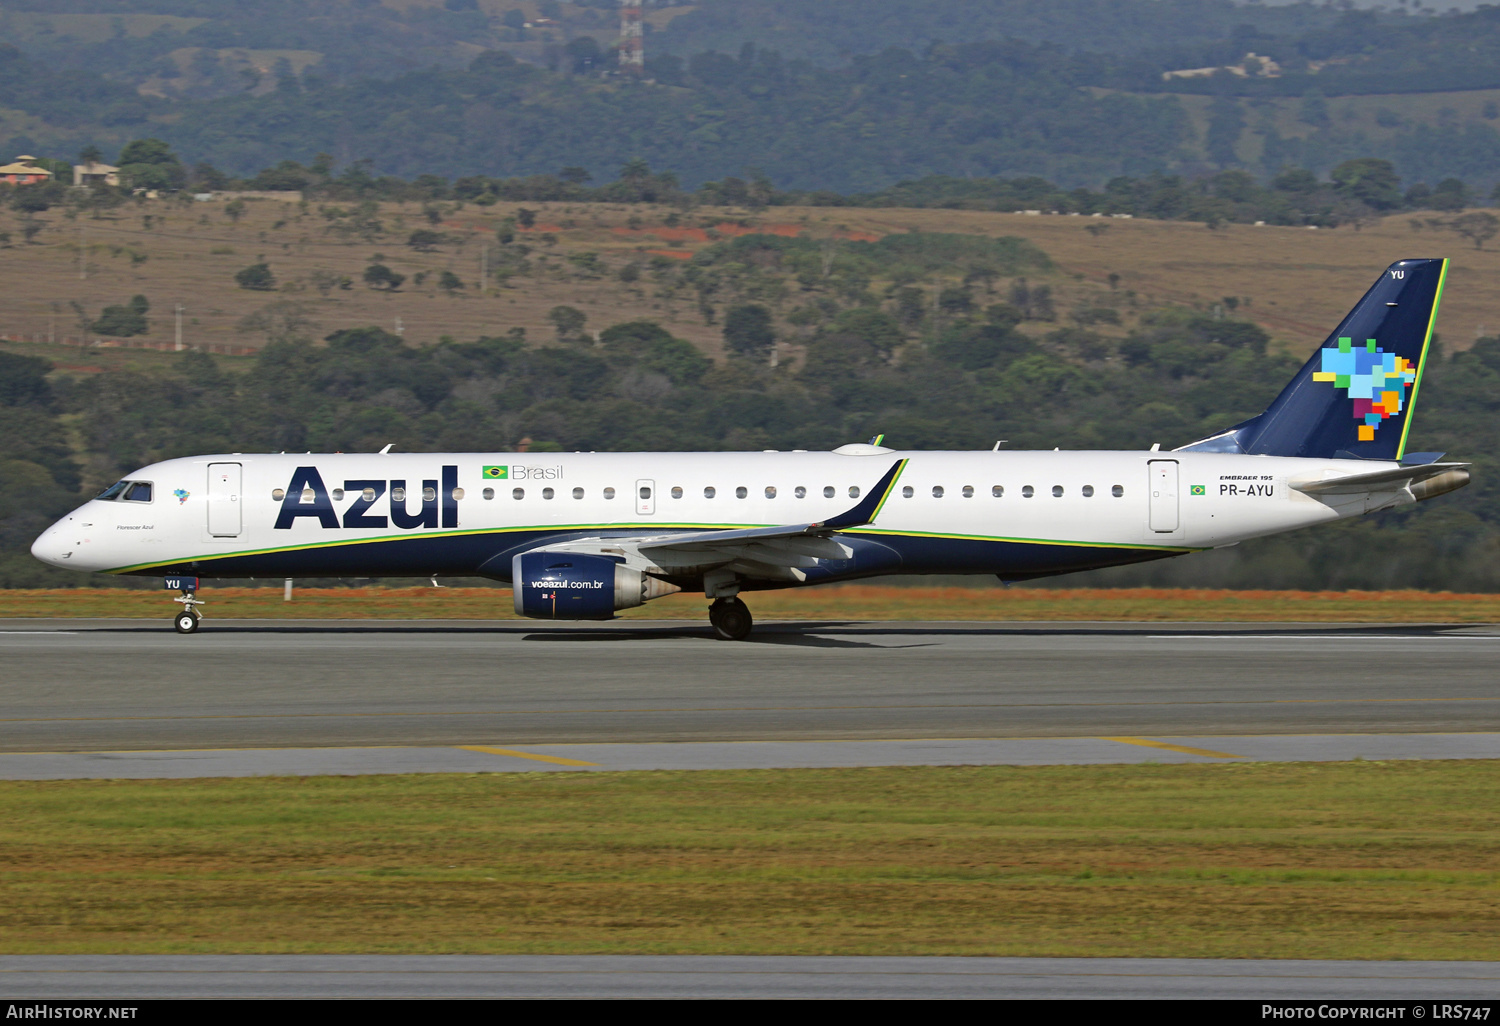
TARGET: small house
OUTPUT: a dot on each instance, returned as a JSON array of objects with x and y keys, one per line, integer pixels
[
  {"x": 24, "y": 171},
  {"x": 95, "y": 174}
]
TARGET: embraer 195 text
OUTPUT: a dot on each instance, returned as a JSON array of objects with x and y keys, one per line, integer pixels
[{"x": 582, "y": 535}]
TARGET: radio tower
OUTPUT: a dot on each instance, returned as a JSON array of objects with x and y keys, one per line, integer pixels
[{"x": 632, "y": 42}]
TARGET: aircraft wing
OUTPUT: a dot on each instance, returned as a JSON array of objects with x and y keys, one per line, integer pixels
[{"x": 775, "y": 553}]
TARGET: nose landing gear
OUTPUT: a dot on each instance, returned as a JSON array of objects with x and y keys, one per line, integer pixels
[
  {"x": 186, "y": 621},
  {"x": 730, "y": 618}
]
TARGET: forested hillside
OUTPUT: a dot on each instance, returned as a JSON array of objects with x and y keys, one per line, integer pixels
[{"x": 816, "y": 94}]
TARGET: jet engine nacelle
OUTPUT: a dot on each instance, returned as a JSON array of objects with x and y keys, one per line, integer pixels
[{"x": 573, "y": 586}]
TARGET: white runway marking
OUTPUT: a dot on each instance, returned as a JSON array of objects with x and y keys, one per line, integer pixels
[{"x": 1324, "y": 637}]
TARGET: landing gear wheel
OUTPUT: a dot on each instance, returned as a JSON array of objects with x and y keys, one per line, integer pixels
[
  {"x": 186, "y": 622},
  {"x": 731, "y": 619}
]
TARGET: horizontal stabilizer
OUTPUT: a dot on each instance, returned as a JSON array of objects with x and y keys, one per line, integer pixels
[{"x": 1389, "y": 480}]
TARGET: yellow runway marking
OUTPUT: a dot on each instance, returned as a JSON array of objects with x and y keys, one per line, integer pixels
[
  {"x": 1148, "y": 743},
  {"x": 558, "y": 760}
]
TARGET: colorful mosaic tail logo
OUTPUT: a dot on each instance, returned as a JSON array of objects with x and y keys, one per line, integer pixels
[{"x": 1376, "y": 380}]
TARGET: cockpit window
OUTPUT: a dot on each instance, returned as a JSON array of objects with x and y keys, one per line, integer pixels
[
  {"x": 112, "y": 493},
  {"x": 140, "y": 491}
]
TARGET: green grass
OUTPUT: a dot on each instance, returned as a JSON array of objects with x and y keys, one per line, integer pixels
[{"x": 1349, "y": 860}]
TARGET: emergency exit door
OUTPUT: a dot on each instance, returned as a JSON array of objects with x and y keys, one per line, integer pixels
[
  {"x": 1164, "y": 513},
  {"x": 224, "y": 518},
  {"x": 645, "y": 498}
]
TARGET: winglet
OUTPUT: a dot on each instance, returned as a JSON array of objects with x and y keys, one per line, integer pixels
[{"x": 869, "y": 507}]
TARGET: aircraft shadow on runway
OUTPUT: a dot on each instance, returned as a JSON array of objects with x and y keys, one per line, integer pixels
[{"x": 810, "y": 633}]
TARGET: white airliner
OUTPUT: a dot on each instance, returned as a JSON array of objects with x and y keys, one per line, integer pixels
[{"x": 583, "y": 535}]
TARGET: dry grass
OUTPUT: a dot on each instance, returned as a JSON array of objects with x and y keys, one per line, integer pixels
[
  {"x": 1353, "y": 860},
  {"x": 842, "y": 602},
  {"x": 1299, "y": 282}
]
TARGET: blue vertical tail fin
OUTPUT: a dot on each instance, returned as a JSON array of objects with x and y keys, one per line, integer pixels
[{"x": 1355, "y": 397}]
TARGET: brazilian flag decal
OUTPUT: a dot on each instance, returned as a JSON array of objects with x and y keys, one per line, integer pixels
[
  {"x": 1198, "y": 490},
  {"x": 497, "y": 473}
]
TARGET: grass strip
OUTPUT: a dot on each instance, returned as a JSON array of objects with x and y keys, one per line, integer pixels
[
  {"x": 842, "y": 602},
  {"x": 1345, "y": 860}
]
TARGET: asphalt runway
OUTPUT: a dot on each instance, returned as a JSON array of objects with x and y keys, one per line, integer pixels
[
  {"x": 127, "y": 977},
  {"x": 99, "y": 685}
]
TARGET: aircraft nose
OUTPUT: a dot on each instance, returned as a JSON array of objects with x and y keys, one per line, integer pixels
[{"x": 54, "y": 545}]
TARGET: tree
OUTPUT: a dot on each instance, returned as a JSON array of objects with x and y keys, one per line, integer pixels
[
  {"x": 1450, "y": 195},
  {"x": 209, "y": 178},
  {"x": 90, "y": 154},
  {"x": 1370, "y": 180},
  {"x": 125, "y": 320},
  {"x": 1478, "y": 227},
  {"x": 450, "y": 282},
  {"x": 151, "y": 164},
  {"x": 635, "y": 171},
  {"x": 235, "y": 210},
  {"x": 569, "y": 321},
  {"x": 425, "y": 240},
  {"x": 748, "y": 331},
  {"x": 381, "y": 277},
  {"x": 583, "y": 55},
  {"x": 525, "y": 218},
  {"x": 256, "y": 278}
]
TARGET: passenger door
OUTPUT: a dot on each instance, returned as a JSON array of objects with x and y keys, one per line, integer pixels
[
  {"x": 1164, "y": 512},
  {"x": 224, "y": 519}
]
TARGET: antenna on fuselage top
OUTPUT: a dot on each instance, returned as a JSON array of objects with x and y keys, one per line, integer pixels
[
  {"x": 999, "y": 444},
  {"x": 387, "y": 449}
]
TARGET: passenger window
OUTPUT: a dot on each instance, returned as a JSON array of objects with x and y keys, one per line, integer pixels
[
  {"x": 676, "y": 492},
  {"x": 547, "y": 493},
  {"x": 397, "y": 495},
  {"x": 645, "y": 492},
  {"x": 1088, "y": 491},
  {"x": 139, "y": 492},
  {"x": 800, "y": 492},
  {"x": 368, "y": 494},
  {"x": 770, "y": 491},
  {"x": 828, "y": 492},
  {"x": 740, "y": 492},
  {"x": 518, "y": 493},
  {"x": 1057, "y": 491},
  {"x": 998, "y": 491},
  {"x": 429, "y": 494},
  {"x": 710, "y": 492},
  {"x": 1027, "y": 491},
  {"x": 968, "y": 491},
  {"x": 1117, "y": 491},
  {"x": 277, "y": 494},
  {"x": 854, "y": 491},
  {"x": 338, "y": 495},
  {"x": 113, "y": 491},
  {"x": 577, "y": 493},
  {"x": 907, "y": 491},
  {"x": 937, "y": 491},
  {"x": 488, "y": 493},
  {"x": 609, "y": 493},
  {"x": 457, "y": 493}
]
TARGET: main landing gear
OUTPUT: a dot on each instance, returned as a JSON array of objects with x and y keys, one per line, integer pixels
[
  {"x": 186, "y": 622},
  {"x": 731, "y": 619}
]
